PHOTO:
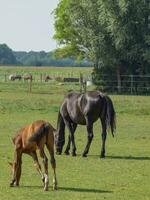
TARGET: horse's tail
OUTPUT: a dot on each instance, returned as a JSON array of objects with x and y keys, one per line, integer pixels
[
  {"x": 60, "y": 123},
  {"x": 110, "y": 115},
  {"x": 42, "y": 131}
]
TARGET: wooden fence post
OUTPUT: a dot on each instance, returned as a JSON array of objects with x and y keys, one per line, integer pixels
[
  {"x": 81, "y": 82},
  {"x": 5, "y": 77},
  {"x": 131, "y": 84},
  {"x": 30, "y": 86},
  {"x": 84, "y": 83},
  {"x": 41, "y": 77}
]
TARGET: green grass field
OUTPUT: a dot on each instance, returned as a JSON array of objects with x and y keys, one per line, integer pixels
[
  {"x": 124, "y": 173},
  {"x": 38, "y": 71}
]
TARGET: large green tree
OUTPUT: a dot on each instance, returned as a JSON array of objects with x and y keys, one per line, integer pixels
[
  {"x": 113, "y": 34},
  {"x": 76, "y": 23}
]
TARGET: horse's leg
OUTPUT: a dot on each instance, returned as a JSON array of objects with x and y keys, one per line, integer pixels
[
  {"x": 33, "y": 154},
  {"x": 16, "y": 168},
  {"x": 45, "y": 163},
  {"x": 50, "y": 148},
  {"x": 71, "y": 132},
  {"x": 18, "y": 175},
  {"x": 89, "y": 126},
  {"x": 104, "y": 135},
  {"x": 68, "y": 146},
  {"x": 74, "y": 126}
]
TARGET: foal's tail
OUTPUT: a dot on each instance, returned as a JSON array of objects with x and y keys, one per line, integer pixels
[
  {"x": 110, "y": 115},
  {"x": 42, "y": 131}
]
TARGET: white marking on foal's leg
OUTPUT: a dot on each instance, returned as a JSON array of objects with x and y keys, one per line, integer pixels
[
  {"x": 54, "y": 183},
  {"x": 46, "y": 182},
  {"x": 43, "y": 179}
]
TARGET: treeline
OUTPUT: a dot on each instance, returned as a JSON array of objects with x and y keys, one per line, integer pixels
[
  {"x": 6, "y": 56},
  {"x": 32, "y": 58}
]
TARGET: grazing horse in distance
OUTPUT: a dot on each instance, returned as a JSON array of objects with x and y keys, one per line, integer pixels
[
  {"x": 47, "y": 77},
  {"x": 84, "y": 109},
  {"x": 28, "y": 77},
  {"x": 14, "y": 77},
  {"x": 27, "y": 140}
]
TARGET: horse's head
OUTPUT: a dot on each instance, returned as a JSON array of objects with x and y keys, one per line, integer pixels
[{"x": 59, "y": 141}]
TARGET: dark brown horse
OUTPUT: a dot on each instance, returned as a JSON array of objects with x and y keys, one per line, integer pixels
[
  {"x": 84, "y": 109},
  {"x": 27, "y": 77},
  {"x": 47, "y": 77},
  {"x": 14, "y": 77},
  {"x": 27, "y": 140}
]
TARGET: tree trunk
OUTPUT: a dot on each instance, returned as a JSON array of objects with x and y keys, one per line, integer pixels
[{"x": 96, "y": 64}]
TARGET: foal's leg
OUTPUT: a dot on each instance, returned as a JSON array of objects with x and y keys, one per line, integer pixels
[
  {"x": 37, "y": 164},
  {"x": 16, "y": 168},
  {"x": 45, "y": 162},
  {"x": 104, "y": 135},
  {"x": 18, "y": 175},
  {"x": 50, "y": 147},
  {"x": 89, "y": 126},
  {"x": 74, "y": 126}
]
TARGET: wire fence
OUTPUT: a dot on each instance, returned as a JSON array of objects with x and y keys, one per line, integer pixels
[
  {"x": 35, "y": 77},
  {"x": 128, "y": 84}
]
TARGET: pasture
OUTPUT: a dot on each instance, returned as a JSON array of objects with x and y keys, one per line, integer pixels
[
  {"x": 38, "y": 71},
  {"x": 124, "y": 173}
]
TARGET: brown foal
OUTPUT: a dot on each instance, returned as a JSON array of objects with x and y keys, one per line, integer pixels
[{"x": 27, "y": 140}]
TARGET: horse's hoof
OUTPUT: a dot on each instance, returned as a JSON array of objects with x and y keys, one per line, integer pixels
[
  {"x": 67, "y": 153},
  {"x": 58, "y": 153},
  {"x": 11, "y": 185},
  {"x": 16, "y": 184},
  {"x": 84, "y": 155},
  {"x": 55, "y": 187},
  {"x": 45, "y": 188},
  {"x": 102, "y": 156},
  {"x": 74, "y": 154}
]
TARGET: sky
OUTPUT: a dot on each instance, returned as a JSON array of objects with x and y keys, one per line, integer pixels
[{"x": 27, "y": 25}]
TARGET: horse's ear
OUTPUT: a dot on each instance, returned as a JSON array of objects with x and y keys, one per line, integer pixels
[{"x": 10, "y": 163}]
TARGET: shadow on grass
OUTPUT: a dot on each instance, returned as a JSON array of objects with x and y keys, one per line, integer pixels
[
  {"x": 30, "y": 186},
  {"x": 42, "y": 93},
  {"x": 123, "y": 157},
  {"x": 72, "y": 189},
  {"x": 116, "y": 157},
  {"x": 129, "y": 157}
]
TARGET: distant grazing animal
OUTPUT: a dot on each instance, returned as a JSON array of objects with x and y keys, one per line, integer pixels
[
  {"x": 47, "y": 77},
  {"x": 14, "y": 77},
  {"x": 84, "y": 109},
  {"x": 72, "y": 79},
  {"x": 28, "y": 77},
  {"x": 27, "y": 140}
]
